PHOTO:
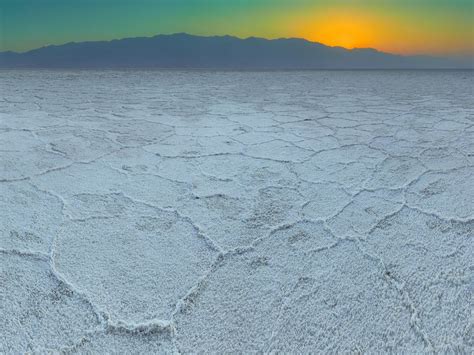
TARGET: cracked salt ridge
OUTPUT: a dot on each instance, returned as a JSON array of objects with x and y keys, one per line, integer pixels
[{"x": 202, "y": 212}]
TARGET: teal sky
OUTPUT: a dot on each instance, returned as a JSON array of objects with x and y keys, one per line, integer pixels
[{"x": 399, "y": 26}]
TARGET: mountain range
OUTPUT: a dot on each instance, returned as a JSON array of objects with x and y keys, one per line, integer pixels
[{"x": 184, "y": 51}]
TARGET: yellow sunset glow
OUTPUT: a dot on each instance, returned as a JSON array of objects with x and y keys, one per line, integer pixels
[
  {"x": 391, "y": 32},
  {"x": 346, "y": 29}
]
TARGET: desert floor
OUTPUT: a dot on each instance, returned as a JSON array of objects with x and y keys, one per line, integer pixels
[{"x": 168, "y": 211}]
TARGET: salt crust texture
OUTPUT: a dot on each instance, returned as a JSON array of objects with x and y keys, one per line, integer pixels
[{"x": 168, "y": 212}]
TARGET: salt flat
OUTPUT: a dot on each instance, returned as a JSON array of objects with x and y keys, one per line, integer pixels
[{"x": 215, "y": 212}]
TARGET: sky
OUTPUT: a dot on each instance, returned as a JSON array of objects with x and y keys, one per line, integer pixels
[{"x": 436, "y": 27}]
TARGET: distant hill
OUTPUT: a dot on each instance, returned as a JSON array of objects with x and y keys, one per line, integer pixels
[{"x": 220, "y": 52}]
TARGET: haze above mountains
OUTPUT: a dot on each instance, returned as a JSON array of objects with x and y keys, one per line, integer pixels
[{"x": 184, "y": 51}]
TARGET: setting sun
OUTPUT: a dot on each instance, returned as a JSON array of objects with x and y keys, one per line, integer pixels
[
  {"x": 395, "y": 31},
  {"x": 343, "y": 29}
]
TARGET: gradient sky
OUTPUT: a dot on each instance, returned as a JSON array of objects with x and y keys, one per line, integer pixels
[{"x": 440, "y": 27}]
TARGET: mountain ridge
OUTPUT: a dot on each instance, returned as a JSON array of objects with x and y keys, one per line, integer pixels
[{"x": 185, "y": 51}]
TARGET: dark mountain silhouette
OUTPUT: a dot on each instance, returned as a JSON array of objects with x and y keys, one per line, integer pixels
[{"x": 219, "y": 52}]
